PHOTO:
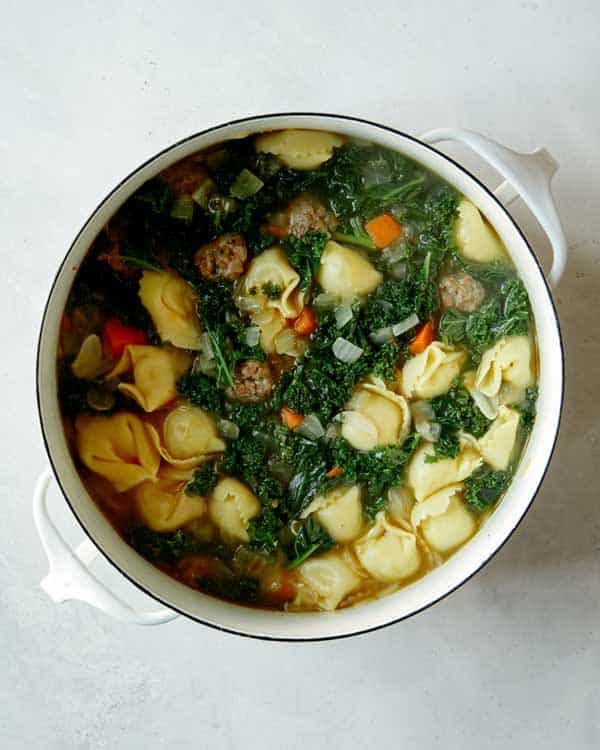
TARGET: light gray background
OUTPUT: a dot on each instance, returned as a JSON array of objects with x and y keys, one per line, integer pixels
[{"x": 90, "y": 90}]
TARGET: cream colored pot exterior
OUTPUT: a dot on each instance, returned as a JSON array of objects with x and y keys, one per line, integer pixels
[{"x": 529, "y": 176}]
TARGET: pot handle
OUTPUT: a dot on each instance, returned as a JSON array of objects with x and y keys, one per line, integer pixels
[
  {"x": 527, "y": 176},
  {"x": 69, "y": 576}
]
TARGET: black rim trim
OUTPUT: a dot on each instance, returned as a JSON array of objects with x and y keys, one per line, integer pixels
[{"x": 38, "y": 367}]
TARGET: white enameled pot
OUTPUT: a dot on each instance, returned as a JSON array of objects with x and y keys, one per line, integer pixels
[{"x": 527, "y": 176}]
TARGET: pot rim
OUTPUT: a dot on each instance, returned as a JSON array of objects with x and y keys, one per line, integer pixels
[{"x": 249, "y": 120}]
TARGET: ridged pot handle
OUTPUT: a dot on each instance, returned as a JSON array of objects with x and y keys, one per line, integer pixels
[
  {"x": 527, "y": 176},
  {"x": 69, "y": 576}
]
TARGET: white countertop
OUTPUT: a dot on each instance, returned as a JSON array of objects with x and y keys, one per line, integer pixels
[{"x": 90, "y": 90}]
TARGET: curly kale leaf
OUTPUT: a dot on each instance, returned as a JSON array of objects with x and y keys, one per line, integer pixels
[
  {"x": 484, "y": 487},
  {"x": 304, "y": 254},
  {"x": 456, "y": 411},
  {"x": 311, "y": 538},
  {"x": 204, "y": 480}
]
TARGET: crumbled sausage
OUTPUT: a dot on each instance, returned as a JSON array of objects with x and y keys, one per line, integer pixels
[
  {"x": 184, "y": 177},
  {"x": 306, "y": 214},
  {"x": 252, "y": 381},
  {"x": 224, "y": 258},
  {"x": 460, "y": 291}
]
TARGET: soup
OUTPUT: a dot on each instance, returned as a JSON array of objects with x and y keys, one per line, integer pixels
[{"x": 297, "y": 370}]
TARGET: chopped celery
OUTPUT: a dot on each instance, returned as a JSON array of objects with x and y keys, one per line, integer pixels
[
  {"x": 183, "y": 208},
  {"x": 246, "y": 184},
  {"x": 203, "y": 192}
]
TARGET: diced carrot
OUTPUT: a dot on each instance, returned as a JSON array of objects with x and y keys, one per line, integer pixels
[
  {"x": 383, "y": 230},
  {"x": 275, "y": 230},
  {"x": 423, "y": 338},
  {"x": 335, "y": 472},
  {"x": 285, "y": 591},
  {"x": 306, "y": 322},
  {"x": 116, "y": 336},
  {"x": 291, "y": 418}
]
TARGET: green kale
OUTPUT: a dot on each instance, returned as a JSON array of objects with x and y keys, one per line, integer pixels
[
  {"x": 154, "y": 545},
  {"x": 384, "y": 360},
  {"x": 204, "y": 480},
  {"x": 377, "y": 469},
  {"x": 527, "y": 408},
  {"x": 456, "y": 411},
  {"x": 200, "y": 391},
  {"x": 264, "y": 530},
  {"x": 230, "y": 587},
  {"x": 304, "y": 254},
  {"x": 311, "y": 537},
  {"x": 484, "y": 487},
  {"x": 271, "y": 290},
  {"x": 505, "y": 313}
]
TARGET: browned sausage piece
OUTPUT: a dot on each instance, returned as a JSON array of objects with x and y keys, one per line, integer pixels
[
  {"x": 252, "y": 381},
  {"x": 306, "y": 214},
  {"x": 224, "y": 258},
  {"x": 459, "y": 291},
  {"x": 185, "y": 176}
]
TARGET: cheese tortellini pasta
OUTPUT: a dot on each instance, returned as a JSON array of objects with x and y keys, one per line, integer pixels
[
  {"x": 387, "y": 552},
  {"x": 498, "y": 443},
  {"x": 325, "y": 581},
  {"x": 425, "y": 477},
  {"x": 272, "y": 268},
  {"x": 299, "y": 149},
  {"x": 443, "y": 519},
  {"x": 431, "y": 372},
  {"x": 171, "y": 302},
  {"x": 345, "y": 273},
  {"x": 119, "y": 448},
  {"x": 232, "y": 506},
  {"x": 375, "y": 415},
  {"x": 187, "y": 437},
  {"x": 476, "y": 239},
  {"x": 165, "y": 506},
  {"x": 155, "y": 373},
  {"x": 506, "y": 369},
  {"x": 339, "y": 512}
]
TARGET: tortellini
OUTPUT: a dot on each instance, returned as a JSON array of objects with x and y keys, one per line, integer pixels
[
  {"x": 273, "y": 268},
  {"x": 475, "y": 238},
  {"x": 165, "y": 506},
  {"x": 387, "y": 552},
  {"x": 90, "y": 361},
  {"x": 119, "y": 448},
  {"x": 155, "y": 374},
  {"x": 231, "y": 507},
  {"x": 498, "y": 443},
  {"x": 345, "y": 273},
  {"x": 443, "y": 519},
  {"x": 431, "y": 372},
  {"x": 171, "y": 302},
  {"x": 324, "y": 581},
  {"x": 375, "y": 416},
  {"x": 299, "y": 149},
  {"x": 425, "y": 477},
  {"x": 187, "y": 437},
  {"x": 339, "y": 512},
  {"x": 506, "y": 369}
]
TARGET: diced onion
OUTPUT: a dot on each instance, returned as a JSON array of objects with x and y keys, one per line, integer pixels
[
  {"x": 90, "y": 362},
  {"x": 405, "y": 325},
  {"x": 429, "y": 431},
  {"x": 325, "y": 301},
  {"x": 346, "y": 351},
  {"x": 398, "y": 270},
  {"x": 310, "y": 427},
  {"x": 422, "y": 410},
  {"x": 100, "y": 399},
  {"x": 343, "y": 314},
  {"x": 485, "y": 405},
  {"x": 382, "y": 335},
  {"x": 228, "y": 429},
  {"x": 252, "y": 336},
  {"x": 332, "y": 431},
  {"x": 206, "y": 346}
]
